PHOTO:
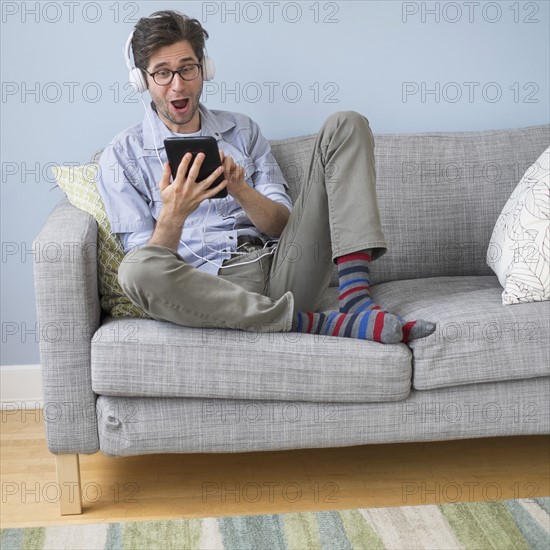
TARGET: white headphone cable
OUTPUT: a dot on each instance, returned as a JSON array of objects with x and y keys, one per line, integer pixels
[{"x": 152, "y": 131}]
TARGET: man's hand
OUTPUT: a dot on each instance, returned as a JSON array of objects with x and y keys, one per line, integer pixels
[
  {"x": 184, "y": 195},
  {"x": 180, "y": 198},
  {"x": 268, "y": 216},
  {"x": 234, "y": 175}
]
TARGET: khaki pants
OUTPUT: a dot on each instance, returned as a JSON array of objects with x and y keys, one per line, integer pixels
[{"x": 336, "y": 213}]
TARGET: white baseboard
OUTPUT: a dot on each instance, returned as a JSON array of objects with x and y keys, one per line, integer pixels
[{"x": 20, "y": 386}]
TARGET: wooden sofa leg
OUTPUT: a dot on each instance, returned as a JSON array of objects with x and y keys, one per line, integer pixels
[{"x": 68, "y": 479}]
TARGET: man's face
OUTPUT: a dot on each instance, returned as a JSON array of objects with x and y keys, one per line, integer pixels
[{"x": 178, "y": 102}]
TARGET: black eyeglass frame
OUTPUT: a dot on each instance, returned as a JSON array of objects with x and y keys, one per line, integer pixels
[{"x": 179, "y": 71}]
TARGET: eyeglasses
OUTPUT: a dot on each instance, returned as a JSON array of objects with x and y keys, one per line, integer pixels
[{"x": 165, "y": 76}]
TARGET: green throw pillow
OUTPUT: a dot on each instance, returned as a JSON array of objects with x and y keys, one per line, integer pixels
[{"x": 79, "y": 184}]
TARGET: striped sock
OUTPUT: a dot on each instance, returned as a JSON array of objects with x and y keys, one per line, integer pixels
[
  {"x": 376, "y": 326},
  {"x": 354, "y": 294},
  {"x": 354, "y": 283}
]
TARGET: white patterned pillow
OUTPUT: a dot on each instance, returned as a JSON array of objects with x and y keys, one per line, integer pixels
[
  {"x": 519, "y": 250},
  {"x": 79, "y": 184}
]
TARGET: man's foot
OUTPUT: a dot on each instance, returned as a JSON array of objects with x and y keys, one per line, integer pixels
[
  {"x": 376, "y": 326},
  {"x": 354, "y": 296}
]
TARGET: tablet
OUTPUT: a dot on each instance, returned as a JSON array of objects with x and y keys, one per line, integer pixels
[{"x": 177, "y": 147}]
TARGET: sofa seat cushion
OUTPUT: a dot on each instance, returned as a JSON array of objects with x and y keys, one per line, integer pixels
[
  {"x": 477, "y": 339},
  {"x": 139, "y": 357}
]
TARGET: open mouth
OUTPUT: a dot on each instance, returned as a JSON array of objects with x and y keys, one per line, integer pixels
[{"x": 180, "y": 105}]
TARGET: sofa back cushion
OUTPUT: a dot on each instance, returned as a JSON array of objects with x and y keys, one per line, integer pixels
[{"x": 439, "y": 194}]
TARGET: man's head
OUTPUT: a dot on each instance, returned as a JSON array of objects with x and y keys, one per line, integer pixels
[{"x": 163, "y": 43}]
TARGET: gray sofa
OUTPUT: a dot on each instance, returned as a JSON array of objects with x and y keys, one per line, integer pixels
[{"x": 137, "y": 386}]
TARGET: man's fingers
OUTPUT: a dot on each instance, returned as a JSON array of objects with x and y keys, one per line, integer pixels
[
  {"x": 207, "y": 182},
  {"x": 215, "y": 190},
  {"x": 196, "y": 166},
  {"x": 182, "y": 168},
  {"x": 229, "y": 162},
  {"x": 230, "y": 168}
]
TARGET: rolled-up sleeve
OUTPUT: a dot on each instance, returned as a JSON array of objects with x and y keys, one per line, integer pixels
[
  {"x": 123, "y": 191},
  {"x": 267, "y": 177}
]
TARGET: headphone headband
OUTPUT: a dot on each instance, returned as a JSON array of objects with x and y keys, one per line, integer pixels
[{"x": 137, "y": 79}]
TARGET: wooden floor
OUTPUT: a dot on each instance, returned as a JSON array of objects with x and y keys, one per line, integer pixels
[{"x": 200, "y": 485}]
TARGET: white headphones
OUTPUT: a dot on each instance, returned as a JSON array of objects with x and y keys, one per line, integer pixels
[{"x": 137, "y": 79}]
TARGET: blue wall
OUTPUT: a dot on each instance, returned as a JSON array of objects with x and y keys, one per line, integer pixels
[{"x": 408, "y": 66}]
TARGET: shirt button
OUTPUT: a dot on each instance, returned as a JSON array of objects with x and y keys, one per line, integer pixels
[{"x": 231, "y": 237}]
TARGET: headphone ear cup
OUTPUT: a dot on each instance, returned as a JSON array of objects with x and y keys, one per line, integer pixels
[
  {"x": 208, "y": 68},
  {"x": 137, "y": 80},
  {"x": 135, "y": 76}
]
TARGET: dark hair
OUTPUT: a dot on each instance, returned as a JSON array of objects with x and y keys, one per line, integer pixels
[{"x": 164, "y": 28}]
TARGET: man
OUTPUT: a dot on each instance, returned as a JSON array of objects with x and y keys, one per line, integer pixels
[{"x": 190, "y": 268}]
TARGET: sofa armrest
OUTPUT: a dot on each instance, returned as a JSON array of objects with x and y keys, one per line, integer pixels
[{"x": 68, "y": 311}]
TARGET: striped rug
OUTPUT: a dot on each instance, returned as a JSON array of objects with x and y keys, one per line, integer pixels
[{"x": 510, "y": 524}]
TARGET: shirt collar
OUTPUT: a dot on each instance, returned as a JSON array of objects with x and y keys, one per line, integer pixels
[{"x": 212, "y": 124}]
